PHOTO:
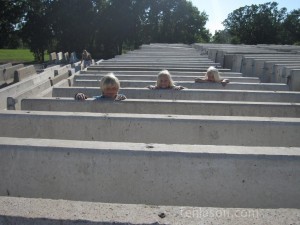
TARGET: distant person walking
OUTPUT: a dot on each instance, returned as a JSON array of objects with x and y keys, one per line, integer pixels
[{"x": 86, "y": 59}]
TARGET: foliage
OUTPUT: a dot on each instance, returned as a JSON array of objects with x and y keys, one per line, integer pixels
[{"x": 11, "y": 13}]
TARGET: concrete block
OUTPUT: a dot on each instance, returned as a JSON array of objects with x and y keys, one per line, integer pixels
[
  {"x": 9, "y": 72},
  {"x": 153, "y": 174},
  {"x": 178, "y": 107},
  {"x": 53, "y": 57},
  {"x": 56, "y": 212},
  {"x": 192, "y": 85},
  {"x": 24, "y": 73},
  {"x": 176, "y": 129},
  {"x": 224, "y": 72},
  {"x": 294, "y": 80},
  {"x": 189, "y": 94},
  {"x": 154, "y": 77}
]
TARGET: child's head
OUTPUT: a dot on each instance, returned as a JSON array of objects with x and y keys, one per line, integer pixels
[
  {"x": 110, "y": 85},
  {"x": 212, "y": 74},
  {"x": 164, "y": 80}
]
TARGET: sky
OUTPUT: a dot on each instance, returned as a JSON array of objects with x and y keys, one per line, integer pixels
[{"x": 218, "y": 10}]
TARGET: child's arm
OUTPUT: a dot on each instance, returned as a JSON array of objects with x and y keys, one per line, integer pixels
[
  {"x": 224, "y": 82},
  {"x": 200, "y": 80},
  {"x": 151, "y": 87},
  {"x": 80, "y": 96},
  {"x": 120, "y": 97},
  {"x": 178, "y": 87}
]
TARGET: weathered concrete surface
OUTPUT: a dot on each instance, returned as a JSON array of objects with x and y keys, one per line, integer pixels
[
  {"x": 169, "y": 129},
  {"x": 181, "y": 73},
  {"x": 188, "y": 94},
  {"x": 23, "y": 73},
  {"x": 9, "y": 72},
  {"x": 178, "y": 107},
  {"x": 150, "y": 68},
  {"x": 57, "y": 212},
  {"x": 154, "y": 78},
  {"x": 193, "y": 85},
  {"x": 156, "y": 174},
  {"x": 294, "y": 80}
]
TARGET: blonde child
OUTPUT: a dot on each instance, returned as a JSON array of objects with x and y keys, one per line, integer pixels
[
  {"x": 110, "y": 86},
  {"x": 164, "y": 81},
  {"x": 212, "y": 75}
]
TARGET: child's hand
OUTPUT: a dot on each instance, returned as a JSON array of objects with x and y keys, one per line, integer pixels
[
  {"x": 224, "y": 82},
  {"x": 80, "y": 96},
  {"x": 120, "y": 97},
  {"x": 151, "y": 87},
  {"x": 178, "y": 88}
]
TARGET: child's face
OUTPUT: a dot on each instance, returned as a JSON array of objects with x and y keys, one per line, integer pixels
[
  {"x": 210, "y": 76},
  {"x": 110, "y": 91},
  {"x": 164, "y": 81}
]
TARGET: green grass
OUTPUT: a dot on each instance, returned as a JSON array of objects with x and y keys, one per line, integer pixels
[{"x": 18, "y": 55}]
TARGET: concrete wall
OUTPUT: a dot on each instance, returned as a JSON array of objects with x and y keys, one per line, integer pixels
[
  {"x": 193, "y": 85},
  {"x": 188, "y": 94},
  {"x": 206, "y": 176},
  {"x": 57, "y": 212},
  {"x": 173, "y": 129},
  {"x": 144, "y": 106}
]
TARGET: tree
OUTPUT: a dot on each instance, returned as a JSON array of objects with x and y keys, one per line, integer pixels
[
  {"x": 11, "y": 14},
  {"x": 291, "y": 28},
  {"x": 256, "y": 24},
  {"x": 36, "y": 30}
]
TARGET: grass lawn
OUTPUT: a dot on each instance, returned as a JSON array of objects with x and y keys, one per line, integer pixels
[{"x": 18, "y": 55}]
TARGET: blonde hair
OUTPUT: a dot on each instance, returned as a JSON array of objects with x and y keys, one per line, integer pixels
[
  {"x": 167, "y": 74},
  {"x": 109, "y": 80},
  {"x": 215, "y": 73}
]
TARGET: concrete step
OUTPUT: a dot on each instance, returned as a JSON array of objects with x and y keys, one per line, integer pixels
[
  {"x": 152, "y": 174},
  {"x": 151, "y": 106},
  {"x": 189, "y": 94},
  {"x": 150, "y": 128}
]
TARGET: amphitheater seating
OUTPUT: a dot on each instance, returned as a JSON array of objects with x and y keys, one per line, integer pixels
[{"x": 207, "y": 147}]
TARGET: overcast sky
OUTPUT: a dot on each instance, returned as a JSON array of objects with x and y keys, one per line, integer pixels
[{"x": 218, "y": 10}]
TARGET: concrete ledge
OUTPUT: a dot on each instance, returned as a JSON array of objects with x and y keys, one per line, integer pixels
[
  {"x": 23, "y": 73},
  {"x": 152, "y": 68},
  {"x": 144, "y": 106},
  {"x": 156, "y": 174},
  {"x": 154, "y": 78},
  {"x": 193, "y": 85},
  {"x": 9, "y": 72},
  {"x": 189, "y": 94},
  {"x": 57, "y": 212},
  {"x": 155, "y": 128},
  {"x": 154, "y": 73}
]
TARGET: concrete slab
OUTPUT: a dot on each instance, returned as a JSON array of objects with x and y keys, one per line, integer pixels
[
  {"x": 179, "y": 107},
  {"x": 23, "y": 73},
  {"x": 225, "y": 72},
  {"x": 193, "y": 85},
  {"x": 154, "y": 77},
  {"x": 153, "y": 174},
  {"x": 188, "y": 94},
  {"x": 150, "y": 128},
  {"x": 9, "y": 72},
  {"x": 56, "y": 212}
]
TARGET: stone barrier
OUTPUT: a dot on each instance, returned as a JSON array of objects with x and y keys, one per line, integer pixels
[
  {"x": 24, "y": 73},
  {"x": 9, "y": 72},
  {"x": 178, "y": 107},
  {"x": 154, "y": 78},
  {"x": 193, "y": 85},
  {"x": 188, "y": 94},
  {"x": 153, "y": 174},
  {"x": 176, "y": 129}
]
